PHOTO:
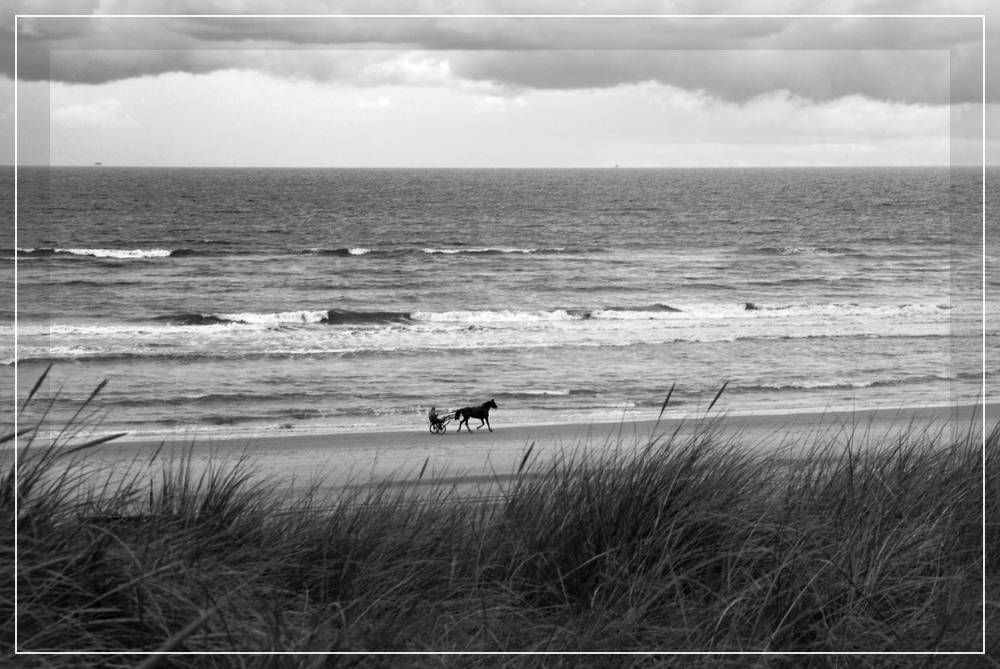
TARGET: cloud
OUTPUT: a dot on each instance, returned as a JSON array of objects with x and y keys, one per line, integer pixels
[
  {"x": 906, "y": 59},
  {"x": 105, "y": 113},
  {"x": 736, "y": 76},
  {"x": 408, "y": 69}
]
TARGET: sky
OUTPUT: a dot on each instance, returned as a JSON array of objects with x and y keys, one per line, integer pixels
[{"x": 655, "y": 84}]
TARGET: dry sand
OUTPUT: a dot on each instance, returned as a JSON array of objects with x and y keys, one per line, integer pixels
[{"x": 482, "y": 457}]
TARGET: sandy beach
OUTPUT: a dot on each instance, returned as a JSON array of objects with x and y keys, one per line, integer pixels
[{"x": 483, "y": 457}]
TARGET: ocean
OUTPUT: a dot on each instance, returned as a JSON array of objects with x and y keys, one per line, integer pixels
[{"x": 221, "y": 301}]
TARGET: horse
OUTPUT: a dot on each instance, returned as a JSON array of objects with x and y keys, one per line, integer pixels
[{"x": 482, "y": 412}]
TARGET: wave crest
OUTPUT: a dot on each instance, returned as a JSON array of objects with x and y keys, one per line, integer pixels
[
  {"x": 122, "y": 254},
  {"x": 493, "y": 250}
]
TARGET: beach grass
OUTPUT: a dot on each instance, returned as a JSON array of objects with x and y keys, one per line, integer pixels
[{"x": 680, "y": 543}]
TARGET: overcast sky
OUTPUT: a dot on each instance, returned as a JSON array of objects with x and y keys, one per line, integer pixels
[{"x": 329, "y": 90}]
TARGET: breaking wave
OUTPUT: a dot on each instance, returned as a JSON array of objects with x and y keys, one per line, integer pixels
[
  {"x": 304, "y": 316},
  {"x": 488, "y": 316},
  {"x": 122, "y": 254},
  {"x": 493, "y": 251},
  {"x": 530, "y": 394},
  {"x": 341, "y": 252},
  {"x": 840, "y": 385}
]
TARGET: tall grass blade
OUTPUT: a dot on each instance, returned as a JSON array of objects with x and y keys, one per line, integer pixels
[
  {"x": 524, "y": 460},
  {"x": 717, "y": 396},
  {"x": 666, "y": 401},
  {"x": 74, "y": 420},
  {"x": 93, "y": 442},
  {"x": 20, "y": 433},
  {"x": 34, "y": 389}
]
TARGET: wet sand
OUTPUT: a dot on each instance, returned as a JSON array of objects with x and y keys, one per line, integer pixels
[{"x": 482, "y": 457}]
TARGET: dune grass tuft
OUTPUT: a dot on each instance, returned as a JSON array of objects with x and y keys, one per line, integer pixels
[{"x": 678, "y": 543}]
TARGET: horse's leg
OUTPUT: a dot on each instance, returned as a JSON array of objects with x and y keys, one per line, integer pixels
[{"x": 488, "y": 422}]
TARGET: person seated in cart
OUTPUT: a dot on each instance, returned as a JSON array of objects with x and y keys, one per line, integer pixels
[{"x": 433, "y": 416}]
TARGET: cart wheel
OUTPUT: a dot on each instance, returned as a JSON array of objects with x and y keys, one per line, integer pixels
[{"x": 438, "y": 428}]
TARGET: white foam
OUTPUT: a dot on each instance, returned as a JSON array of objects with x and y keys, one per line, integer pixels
[
  {"x": 505, "y": 316},
  {"x": 118, "y": 253},
  {"x": 481, "y": 250},
  {"x": 301, "y": 316},
  {"x": 358, "y": 251},
  {"x": 626, "y": 315},
  {"x": 812, "y": 385}
]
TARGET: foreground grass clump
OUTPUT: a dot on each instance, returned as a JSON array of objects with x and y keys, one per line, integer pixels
[{"x": 679, "y": 544}]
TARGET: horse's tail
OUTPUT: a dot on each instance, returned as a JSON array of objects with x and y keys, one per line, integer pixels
[{"x": 458, "y": 414}]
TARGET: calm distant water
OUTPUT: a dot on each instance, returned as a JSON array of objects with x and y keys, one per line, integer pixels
[{"x": 231, "y": 299}]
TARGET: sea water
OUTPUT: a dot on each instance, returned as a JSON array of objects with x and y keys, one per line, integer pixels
[{"x": 223, "y": 300}]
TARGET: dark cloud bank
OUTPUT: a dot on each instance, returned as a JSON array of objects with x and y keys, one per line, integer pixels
[{"x": 903, "y": 59}]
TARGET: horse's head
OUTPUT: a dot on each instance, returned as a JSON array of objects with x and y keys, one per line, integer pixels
[{"x": 491, "y": 404}]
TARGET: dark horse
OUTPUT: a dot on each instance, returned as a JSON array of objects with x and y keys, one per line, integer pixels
[{"x": 482, "y": 412}]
